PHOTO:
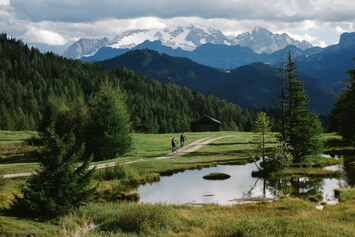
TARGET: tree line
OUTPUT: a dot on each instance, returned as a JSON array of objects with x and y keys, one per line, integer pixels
[
  {"x": 28, "y": 78},
  {"x": 342, "y": 117}
]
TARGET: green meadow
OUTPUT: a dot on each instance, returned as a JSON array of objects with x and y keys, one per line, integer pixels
[{"x": 110, "y": 216}]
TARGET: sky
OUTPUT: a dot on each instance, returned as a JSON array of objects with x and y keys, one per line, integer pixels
[{"x": 53, "y": 25}]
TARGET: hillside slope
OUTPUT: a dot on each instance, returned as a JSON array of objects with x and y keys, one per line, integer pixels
[
  {"x": 28, "y": 78},
  {"x": 252, "y": 86},
  {"x": 331, "y": 63}
]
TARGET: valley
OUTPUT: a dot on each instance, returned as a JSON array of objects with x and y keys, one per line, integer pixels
[{"x": 88, "y": 148}]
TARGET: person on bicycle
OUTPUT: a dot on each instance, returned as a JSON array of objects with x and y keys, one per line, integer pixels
[
  {"x": 182, "y": 139},
  {"x": 174, "y": 143}
]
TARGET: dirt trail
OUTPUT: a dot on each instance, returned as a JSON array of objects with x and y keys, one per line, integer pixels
[{"x": 194, "y": 146}]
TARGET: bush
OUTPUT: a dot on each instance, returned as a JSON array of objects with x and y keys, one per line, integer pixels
[
  {"x": 279, "y": 159},
  {"x": 34, "y": 141},
  {"x": 316, "y": 197}
]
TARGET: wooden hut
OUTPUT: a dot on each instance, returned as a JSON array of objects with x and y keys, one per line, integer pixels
[{"x": 205, "y": 123}]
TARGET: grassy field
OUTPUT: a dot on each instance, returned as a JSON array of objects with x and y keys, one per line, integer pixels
[
  {"x": 16, "y": 136},
  {"x": 286, "y": 217},
  {"x": 15, "y": 158}
]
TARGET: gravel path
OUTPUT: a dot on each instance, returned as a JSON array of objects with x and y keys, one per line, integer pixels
[{"x": 194, "y": 146}]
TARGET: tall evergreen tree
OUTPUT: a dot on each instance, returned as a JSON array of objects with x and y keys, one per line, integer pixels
[
  {"x": 342, "y": 117},
  {"x": 109, "y": 127},
  {"x": 283, "y": 104},
  {"x": 59, "y": 186},
  {"x": 303, "y": 128}
]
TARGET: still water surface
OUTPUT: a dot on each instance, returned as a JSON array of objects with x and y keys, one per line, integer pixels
[{"x": 190, "y": 187}]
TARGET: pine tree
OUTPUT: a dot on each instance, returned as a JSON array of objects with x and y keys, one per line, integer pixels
[
  {"x": 262, "y": 129},
  {"x": 282, "y": 100},
  {"x": 59, "y": 186},
  {"x": 342, "y": 116},
  {"x": 303, "y": 128},
  {"x": 109, "y": 127}
]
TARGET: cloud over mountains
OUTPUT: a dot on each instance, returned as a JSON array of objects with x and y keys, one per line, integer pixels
[
  {"x": 92, "y": 10},
  {"x": 318, "y": 21}
]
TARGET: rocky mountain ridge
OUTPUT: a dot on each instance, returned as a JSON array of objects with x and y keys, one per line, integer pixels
[{"x": 260, "y": 40}]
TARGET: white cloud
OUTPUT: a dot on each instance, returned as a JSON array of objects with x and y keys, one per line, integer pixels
[
  {"x": 339, "y": 30},
  {"x": 321, "y": 43},
  {"x": 93, "y": 10},
  {"x": 58, "y": 22},
  {"x": 308, "y": 24},
  {"x": 4, "y": 2},
  {"x": 311, "y": 39},
  {"x": 44, "y": 36}
]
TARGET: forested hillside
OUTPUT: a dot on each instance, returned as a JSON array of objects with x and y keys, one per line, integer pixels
[
  {"x": 253, "y": 86},
  {"x": 28, "y": 78}
]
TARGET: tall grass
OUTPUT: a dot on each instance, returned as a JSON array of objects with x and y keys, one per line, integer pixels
[
  {"x": 128, "y": 217},
  {"x": 345, "y": 194},
  {"x": 123, "y": 178},
  {"x": 117, "y": 172},
  {"x": 286, "y": 217}
]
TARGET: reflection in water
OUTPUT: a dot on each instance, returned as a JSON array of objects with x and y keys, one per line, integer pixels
[
  {"x": 349, "y": 170},
  {"x": 190, "y": 187}
]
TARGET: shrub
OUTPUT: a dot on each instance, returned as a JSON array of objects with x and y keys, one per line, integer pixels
[
  {"x": 34, "y": 141},
  {"x": 316, "y": 197},
  {"x": 279, "y": 159}
]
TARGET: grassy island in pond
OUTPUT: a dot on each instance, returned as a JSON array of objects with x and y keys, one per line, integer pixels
[{"x": 216, "y": 176}]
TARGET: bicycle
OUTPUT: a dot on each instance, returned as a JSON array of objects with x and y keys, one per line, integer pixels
[{"x": 174, "y": 149}]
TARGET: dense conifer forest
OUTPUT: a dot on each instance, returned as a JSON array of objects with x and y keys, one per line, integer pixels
[{"x": 28, "y": 78}]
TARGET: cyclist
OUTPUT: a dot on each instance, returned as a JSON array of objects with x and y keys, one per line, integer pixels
[
  {"x": 182, "y": 139},
  {"x": 174, "y": 143}
]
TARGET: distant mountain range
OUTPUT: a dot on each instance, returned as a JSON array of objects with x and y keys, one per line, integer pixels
[
  {"x": 213, "y": 55},
  {"x": 328, "y": 64},
  {"x": 260, "y": 40},
  {"x": 252, "y": 86},
  {"x": 210, "y": 49},
  {"x": 331, "y": 63}
]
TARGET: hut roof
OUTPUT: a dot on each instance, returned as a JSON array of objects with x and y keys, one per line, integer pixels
[{"x": 204, "y": 117}]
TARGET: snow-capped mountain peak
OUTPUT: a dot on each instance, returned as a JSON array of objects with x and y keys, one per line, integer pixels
[
  {"x": 260, "y": 40},
  {"x": 84, "y": 47},
  {"x": 187, "y": 38}
]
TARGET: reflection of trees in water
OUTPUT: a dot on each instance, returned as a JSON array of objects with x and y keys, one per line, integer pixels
[
  {"x": 297, "y": 187},
  {"x": 301, "y": 187},
  {"x": 349, "y": 171}
]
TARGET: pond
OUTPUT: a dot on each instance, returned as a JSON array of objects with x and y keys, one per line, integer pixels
[{"x": 241, "y": 187}]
